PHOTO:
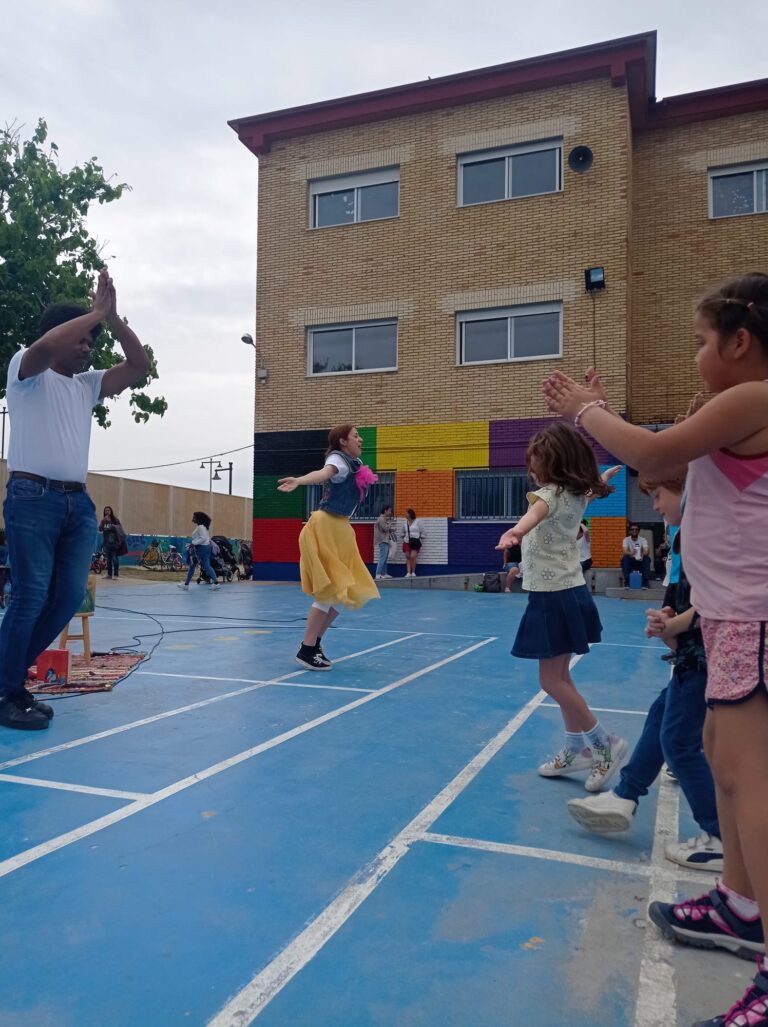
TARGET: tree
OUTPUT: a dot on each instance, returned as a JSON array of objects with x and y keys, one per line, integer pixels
[{"x": 46, "y": 252}]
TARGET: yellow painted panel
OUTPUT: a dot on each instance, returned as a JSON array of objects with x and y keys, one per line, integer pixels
[{"x": 432, "y": 447}]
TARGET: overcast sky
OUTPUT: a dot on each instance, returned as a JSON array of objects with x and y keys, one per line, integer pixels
[{"x": 147, "y": 86}]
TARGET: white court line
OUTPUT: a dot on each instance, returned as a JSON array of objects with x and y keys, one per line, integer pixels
[
  {"x": 64, "y": 786},
  {"x": 22, "y": 859},
  {"x": 600, "y": 709},
  {"x": 630, "y": 645},
  {"x": 259, "y": 992},
  {"x": 251, "y": 687},
  {"x": 656, "y": 1004},
  {"x": 253, "y": 681},
  {"x": 636, "y": 869}
]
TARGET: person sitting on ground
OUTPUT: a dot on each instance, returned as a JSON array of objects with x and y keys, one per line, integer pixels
[
  {"x": 674, "y": 723},
  {"x": 635, "y": 556},
  {"x": 513, "y": 559}
]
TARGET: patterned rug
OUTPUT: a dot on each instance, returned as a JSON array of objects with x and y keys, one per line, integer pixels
[{"x": 101, "y": 675}]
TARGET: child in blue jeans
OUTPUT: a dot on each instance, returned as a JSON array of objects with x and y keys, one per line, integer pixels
[{"x": 673, "y": 727}]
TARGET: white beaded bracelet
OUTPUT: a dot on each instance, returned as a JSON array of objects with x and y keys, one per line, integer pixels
[{"x": 593, "y": 403}]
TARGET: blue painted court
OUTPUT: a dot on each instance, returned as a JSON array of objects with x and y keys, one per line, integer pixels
[{"x": 227, "y": 839}]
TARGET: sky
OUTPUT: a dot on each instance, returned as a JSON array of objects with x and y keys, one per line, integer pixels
[{"x": 148, "y": 86}]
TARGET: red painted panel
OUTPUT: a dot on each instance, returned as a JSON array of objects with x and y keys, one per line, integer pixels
[
  {"x": 364, "y": 533},
  {"x": 276, "y": 540}
]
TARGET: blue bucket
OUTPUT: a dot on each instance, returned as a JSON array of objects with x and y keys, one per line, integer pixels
[{"x": 635, "y": 579}]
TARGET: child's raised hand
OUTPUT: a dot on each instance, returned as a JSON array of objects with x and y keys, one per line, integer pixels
[
  {"x": 287, "y": 484},
  {"x": 611, "y": 472},
  {"x": 509, "y": 538},
  {"x": 564, "y": 397}
]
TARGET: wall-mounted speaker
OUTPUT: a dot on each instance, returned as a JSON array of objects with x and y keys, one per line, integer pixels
[{"x": 580, "y": 159}]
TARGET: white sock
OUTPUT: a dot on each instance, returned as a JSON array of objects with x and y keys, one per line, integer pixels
[{"x": 574, "y": 741}]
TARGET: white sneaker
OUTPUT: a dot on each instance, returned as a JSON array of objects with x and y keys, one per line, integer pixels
[
  {"x": 704, "y": 852},
  {"x": 566, "y": 762},
  {"x": 378, "y": 577},
  {"x": 386, "y": 576},
  {"x": 604, "y": 813},
  {"x": 180, "y": 584},
  {"x": 215, "y": 586},
  {"x": 605, "y": 763}
]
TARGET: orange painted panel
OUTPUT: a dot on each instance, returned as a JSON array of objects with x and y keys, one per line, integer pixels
[{"x": 429, "y": 493}]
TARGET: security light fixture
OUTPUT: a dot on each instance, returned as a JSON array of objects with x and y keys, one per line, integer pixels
[
  {"x": 594, "y": 278},
  {"x": 248, "y": 340}
]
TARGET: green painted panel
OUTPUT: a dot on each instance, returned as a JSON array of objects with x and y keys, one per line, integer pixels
[{"x": 268, "y": 502}]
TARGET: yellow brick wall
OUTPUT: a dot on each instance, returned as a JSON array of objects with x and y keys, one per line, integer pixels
[
  {"x": 436, "y": 258},
  {"x": 678, "y": 252}
]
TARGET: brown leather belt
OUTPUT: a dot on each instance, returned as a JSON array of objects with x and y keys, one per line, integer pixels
[{"x": 50, "y": 483}]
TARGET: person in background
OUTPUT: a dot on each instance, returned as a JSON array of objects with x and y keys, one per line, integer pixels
[
  {"x": 113, "y": 539},
  {"x": 662, "y": 556},
  {"x": 635, "y": 556},
  {"x": 200, "y": 547},
  {"x": 585, "y": 547},
  {"x": 513, "y": 558},
  {"x": 414, "y": 537},
  {"x": 383, "y": 533}
]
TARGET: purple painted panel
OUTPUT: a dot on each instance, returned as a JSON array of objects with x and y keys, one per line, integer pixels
[{"x": 509, "y": 441}]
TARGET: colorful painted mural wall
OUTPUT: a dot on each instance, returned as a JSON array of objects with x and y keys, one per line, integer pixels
[{"x": 424, "y": 459}]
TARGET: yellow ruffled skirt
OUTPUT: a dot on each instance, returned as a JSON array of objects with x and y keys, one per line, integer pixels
[{"x": 332, "y": 570}]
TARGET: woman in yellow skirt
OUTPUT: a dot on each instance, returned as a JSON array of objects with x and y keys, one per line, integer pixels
[{"x": 332, "y": 570}]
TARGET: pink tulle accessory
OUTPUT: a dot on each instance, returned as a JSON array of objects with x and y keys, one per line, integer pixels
[{"x": 364, "y": 477}]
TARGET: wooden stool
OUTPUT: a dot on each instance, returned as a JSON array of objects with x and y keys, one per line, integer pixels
[{"x": 85, "y": 637}]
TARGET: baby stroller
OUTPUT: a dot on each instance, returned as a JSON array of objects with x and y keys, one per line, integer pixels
[
  {"x": 226, "y": 557},
  {"x": 218, "y": 560},
  {"x": 246, "y": 559}
]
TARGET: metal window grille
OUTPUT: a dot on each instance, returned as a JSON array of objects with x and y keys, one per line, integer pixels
[
  {"x": 498, "y": 495},
  {"x": 378, "y": 495}
]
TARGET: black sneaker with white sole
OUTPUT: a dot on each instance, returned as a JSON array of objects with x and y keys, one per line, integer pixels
[
  {"x": 21, "y": 712},
  {"x": 319, "y": 651},
  {"x": 310, "y": 659}
]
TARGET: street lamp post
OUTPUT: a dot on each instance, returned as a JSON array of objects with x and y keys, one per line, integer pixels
[{"x": 212, "y": 477}]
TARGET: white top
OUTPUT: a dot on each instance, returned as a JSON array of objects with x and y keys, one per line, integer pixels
[
  {"x": 550, "y": 554},
  {"x": 51, "y": 421},
  {"x": 414, "y": 529},
  {"x": 342, "y": 467},
  {"x": 585, "y": 547},
  {"x": 637, "y": 548},
  {"x": 200, "y": 536}
]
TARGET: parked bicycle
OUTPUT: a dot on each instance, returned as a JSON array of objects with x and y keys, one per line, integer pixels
[
  {"x": 156, "y": 558},
  {"x": 98, "y": 563}
]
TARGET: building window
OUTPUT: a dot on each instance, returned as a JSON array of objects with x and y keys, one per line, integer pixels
[
  {"x": 378, "y": 495},
  {"x": 739, "y": 190},
  {"x": 346, "y": 349},
  {"x": 532, "y": 332},
  {"x": 510, "y": 173},
  {"x": 343, "y": 200},
  {"x": 495, "y": 495}
]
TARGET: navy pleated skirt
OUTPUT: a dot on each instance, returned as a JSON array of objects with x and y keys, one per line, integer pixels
[{"x": 556, "y": 623}]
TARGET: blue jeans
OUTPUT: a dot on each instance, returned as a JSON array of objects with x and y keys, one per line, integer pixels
[
  {"x": 51, "y": 536},
  {"x": 203, "y": 554},
  {"x": 672, "y": 732},
  {"x": 381, "y": 567}
]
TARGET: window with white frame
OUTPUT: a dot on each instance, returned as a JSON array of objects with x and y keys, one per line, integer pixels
[
  {"x": 532, "y": 332},
  {"x": 510, "y": 173},
  {"x": 346, "y": 349},
  {"x": 343, "y": 200},
  {"x": 738, "y": 190}
]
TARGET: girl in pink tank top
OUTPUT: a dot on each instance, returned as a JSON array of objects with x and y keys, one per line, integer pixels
[{"x": 725, "y": 530}]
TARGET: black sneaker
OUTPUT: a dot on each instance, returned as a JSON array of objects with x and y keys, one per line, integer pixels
[
  {"x": 18, "y": 712},
  {"x": 310, "y": 659},
  {"x": 691, "y": 922},
  {"x": 32, "y": 700},
  {"x": 751, "y": 1009},
  {"x": 321, "y": 654}
]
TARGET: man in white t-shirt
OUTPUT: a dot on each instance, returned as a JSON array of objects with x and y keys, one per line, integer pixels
[
  {"x": 50, "y": 519},
  {"x": 635, "y": 555}
]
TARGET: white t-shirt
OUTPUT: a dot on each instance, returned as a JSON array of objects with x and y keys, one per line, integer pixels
[
  {"x": 638, "y": 547},
  {"x": 550, "y": 554},
  {"x": 200, "y": 536},
  {"x": 51, "y": 421},
  {"x": 342, "y": 467},
  {"x": 413, "y": 530},
  {"x": 585, "y": 547}
]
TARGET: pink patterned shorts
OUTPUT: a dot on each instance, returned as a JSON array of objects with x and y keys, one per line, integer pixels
[{"x": 737, "y": 661}]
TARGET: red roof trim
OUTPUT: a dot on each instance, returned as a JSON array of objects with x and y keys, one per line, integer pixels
[
  {"x": 631, "y": 60},
  {"x": 725, "y": 101}
]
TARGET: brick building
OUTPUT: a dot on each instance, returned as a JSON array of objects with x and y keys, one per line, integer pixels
[{"x": 421, "y": 267}]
